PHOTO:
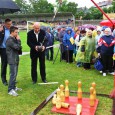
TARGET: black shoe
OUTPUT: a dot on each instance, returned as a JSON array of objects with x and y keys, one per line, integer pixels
[
  {"x": 34, "y": 82},
  {"x": 5, "y": 83},
  {"x": 45, "y": 81}
]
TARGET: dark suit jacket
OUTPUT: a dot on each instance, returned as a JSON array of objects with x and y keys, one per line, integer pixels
[
  {"x": 32, "y": 41},
  {"x": 2, "y": 33},
  {"x": 13, "y": 46}
]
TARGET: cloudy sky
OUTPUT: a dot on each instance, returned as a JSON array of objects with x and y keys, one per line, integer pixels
[{"x": 81, "y": 3}]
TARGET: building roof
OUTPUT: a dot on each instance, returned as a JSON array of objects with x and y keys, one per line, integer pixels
[{"x": 104, "y": 3}]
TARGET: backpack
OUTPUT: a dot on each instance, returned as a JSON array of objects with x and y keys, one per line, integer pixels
[{"x": 98, "y": 65}]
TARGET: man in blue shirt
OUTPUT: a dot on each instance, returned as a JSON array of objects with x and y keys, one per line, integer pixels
[{"x": 4, "y": 34}]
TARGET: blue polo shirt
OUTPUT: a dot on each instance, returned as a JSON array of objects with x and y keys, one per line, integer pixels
[{"x": 7, "y": 34}]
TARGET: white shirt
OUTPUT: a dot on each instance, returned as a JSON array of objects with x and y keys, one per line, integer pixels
[
  {"x": 77, "y": 40},
  {"x": 36, "y": 35}
]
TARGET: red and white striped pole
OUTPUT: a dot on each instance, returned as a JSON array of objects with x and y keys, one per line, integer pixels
[{"x": 104, "y": 13}]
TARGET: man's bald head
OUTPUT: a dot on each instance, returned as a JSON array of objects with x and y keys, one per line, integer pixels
[{"x": 36, "y": 27}]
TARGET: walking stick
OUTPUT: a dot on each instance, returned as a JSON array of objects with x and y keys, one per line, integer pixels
[
  {"x": 60, "y": 52},
  {"x": 68, "y": 54}
]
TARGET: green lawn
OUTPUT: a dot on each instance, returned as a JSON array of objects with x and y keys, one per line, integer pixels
[
  {"x": 32, "y": 95},
  {"x": 23, "y": 36}
]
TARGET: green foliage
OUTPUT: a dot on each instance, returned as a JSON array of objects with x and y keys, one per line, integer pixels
[
  {"x": 113, "y": 3},
  {"x": 79, "y": 14},
  {"x": 63, "y": 7},
  {"x": 88, "y": 14},
  {"x": 95, "y": 13},
  {"x": 41, "y": 6},
  {"x": 105, "y": 10},
  {"x": 68, "y": 7},
  {"x": 72, "y": 7},
  {"x": 24, "y": 7},
  {"x": 110, "y": 10}
]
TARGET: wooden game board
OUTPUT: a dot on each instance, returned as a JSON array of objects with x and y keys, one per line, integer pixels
[{"x": 73, "y": 101}]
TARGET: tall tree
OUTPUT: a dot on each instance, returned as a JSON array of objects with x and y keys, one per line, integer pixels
[
  {"x": 80, "y": 14},
  {"x": 41, "y": 6},
  {"x": 24, "y": 7},
  {"x": 110, "y": 9},
  {"x": 72, "y": 7},
  {"x": 95, "y": 13},
  {"x": 105, "y": 10},
  {"x": 62, "y": 6},
  {"x": 67, "y": 7},
  {"x": 113, "y": 3}
]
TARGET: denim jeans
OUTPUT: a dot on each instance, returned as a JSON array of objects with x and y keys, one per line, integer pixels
[{"x": 13, "y": 74}]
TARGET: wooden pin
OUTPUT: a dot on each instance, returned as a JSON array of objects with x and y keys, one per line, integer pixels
[
  {"x": 58, "y": 103},
  {"x": 94, "y": 92},
  {"x": 65, "y": 105},
  {"x": 62, "y": 96},
  {"x": 54, "y": 99},
  {"x": 66, "y": 88},
  {"x": 92, "y": 101},
  {"x": 78, "y": 109},
  {"x": 79, "y": 93}
]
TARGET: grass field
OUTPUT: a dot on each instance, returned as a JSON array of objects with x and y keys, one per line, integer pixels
[
  {"x": 23, "y": 36},
  {"x": 32, "y": 95}
]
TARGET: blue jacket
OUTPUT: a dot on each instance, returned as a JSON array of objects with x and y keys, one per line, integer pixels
[
  {"x": 66, "y": 39},
  {"x": 107, "y": 47},
  {"x": 50, "y": 39}
]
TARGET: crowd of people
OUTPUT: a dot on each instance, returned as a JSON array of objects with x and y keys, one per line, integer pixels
[
  {"x": 84, "y": 46},
  {"x": 87, "y": 45}
]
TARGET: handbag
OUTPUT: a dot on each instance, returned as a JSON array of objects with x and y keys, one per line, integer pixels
[{"x": 98, "y": 65}]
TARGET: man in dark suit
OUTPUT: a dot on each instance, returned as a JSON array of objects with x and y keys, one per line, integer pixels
[
  {"x": 4, "y": 34},
  {"x": 37, "y": 42}
]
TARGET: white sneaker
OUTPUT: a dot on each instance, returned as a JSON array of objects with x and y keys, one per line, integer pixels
[
  {"x": 18, "y": 89},
  {"x": 112, "y": 73},
  {"x": 104, "y": 74},
  {"x": 13, "y": 93},
  {"x": 100, "y": 71}
]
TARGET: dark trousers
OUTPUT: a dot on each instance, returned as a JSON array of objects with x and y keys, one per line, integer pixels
[
  {"x": 13, "y": 75},
  {"x": 69, "y": 56},
  {"x": 49, "y": 53},
  {"x": 34, "y": 60},
  {"x": 3, "y": 64},
  {"x": 63, "y": 53},
  {"x": 107, "y": 63}
]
